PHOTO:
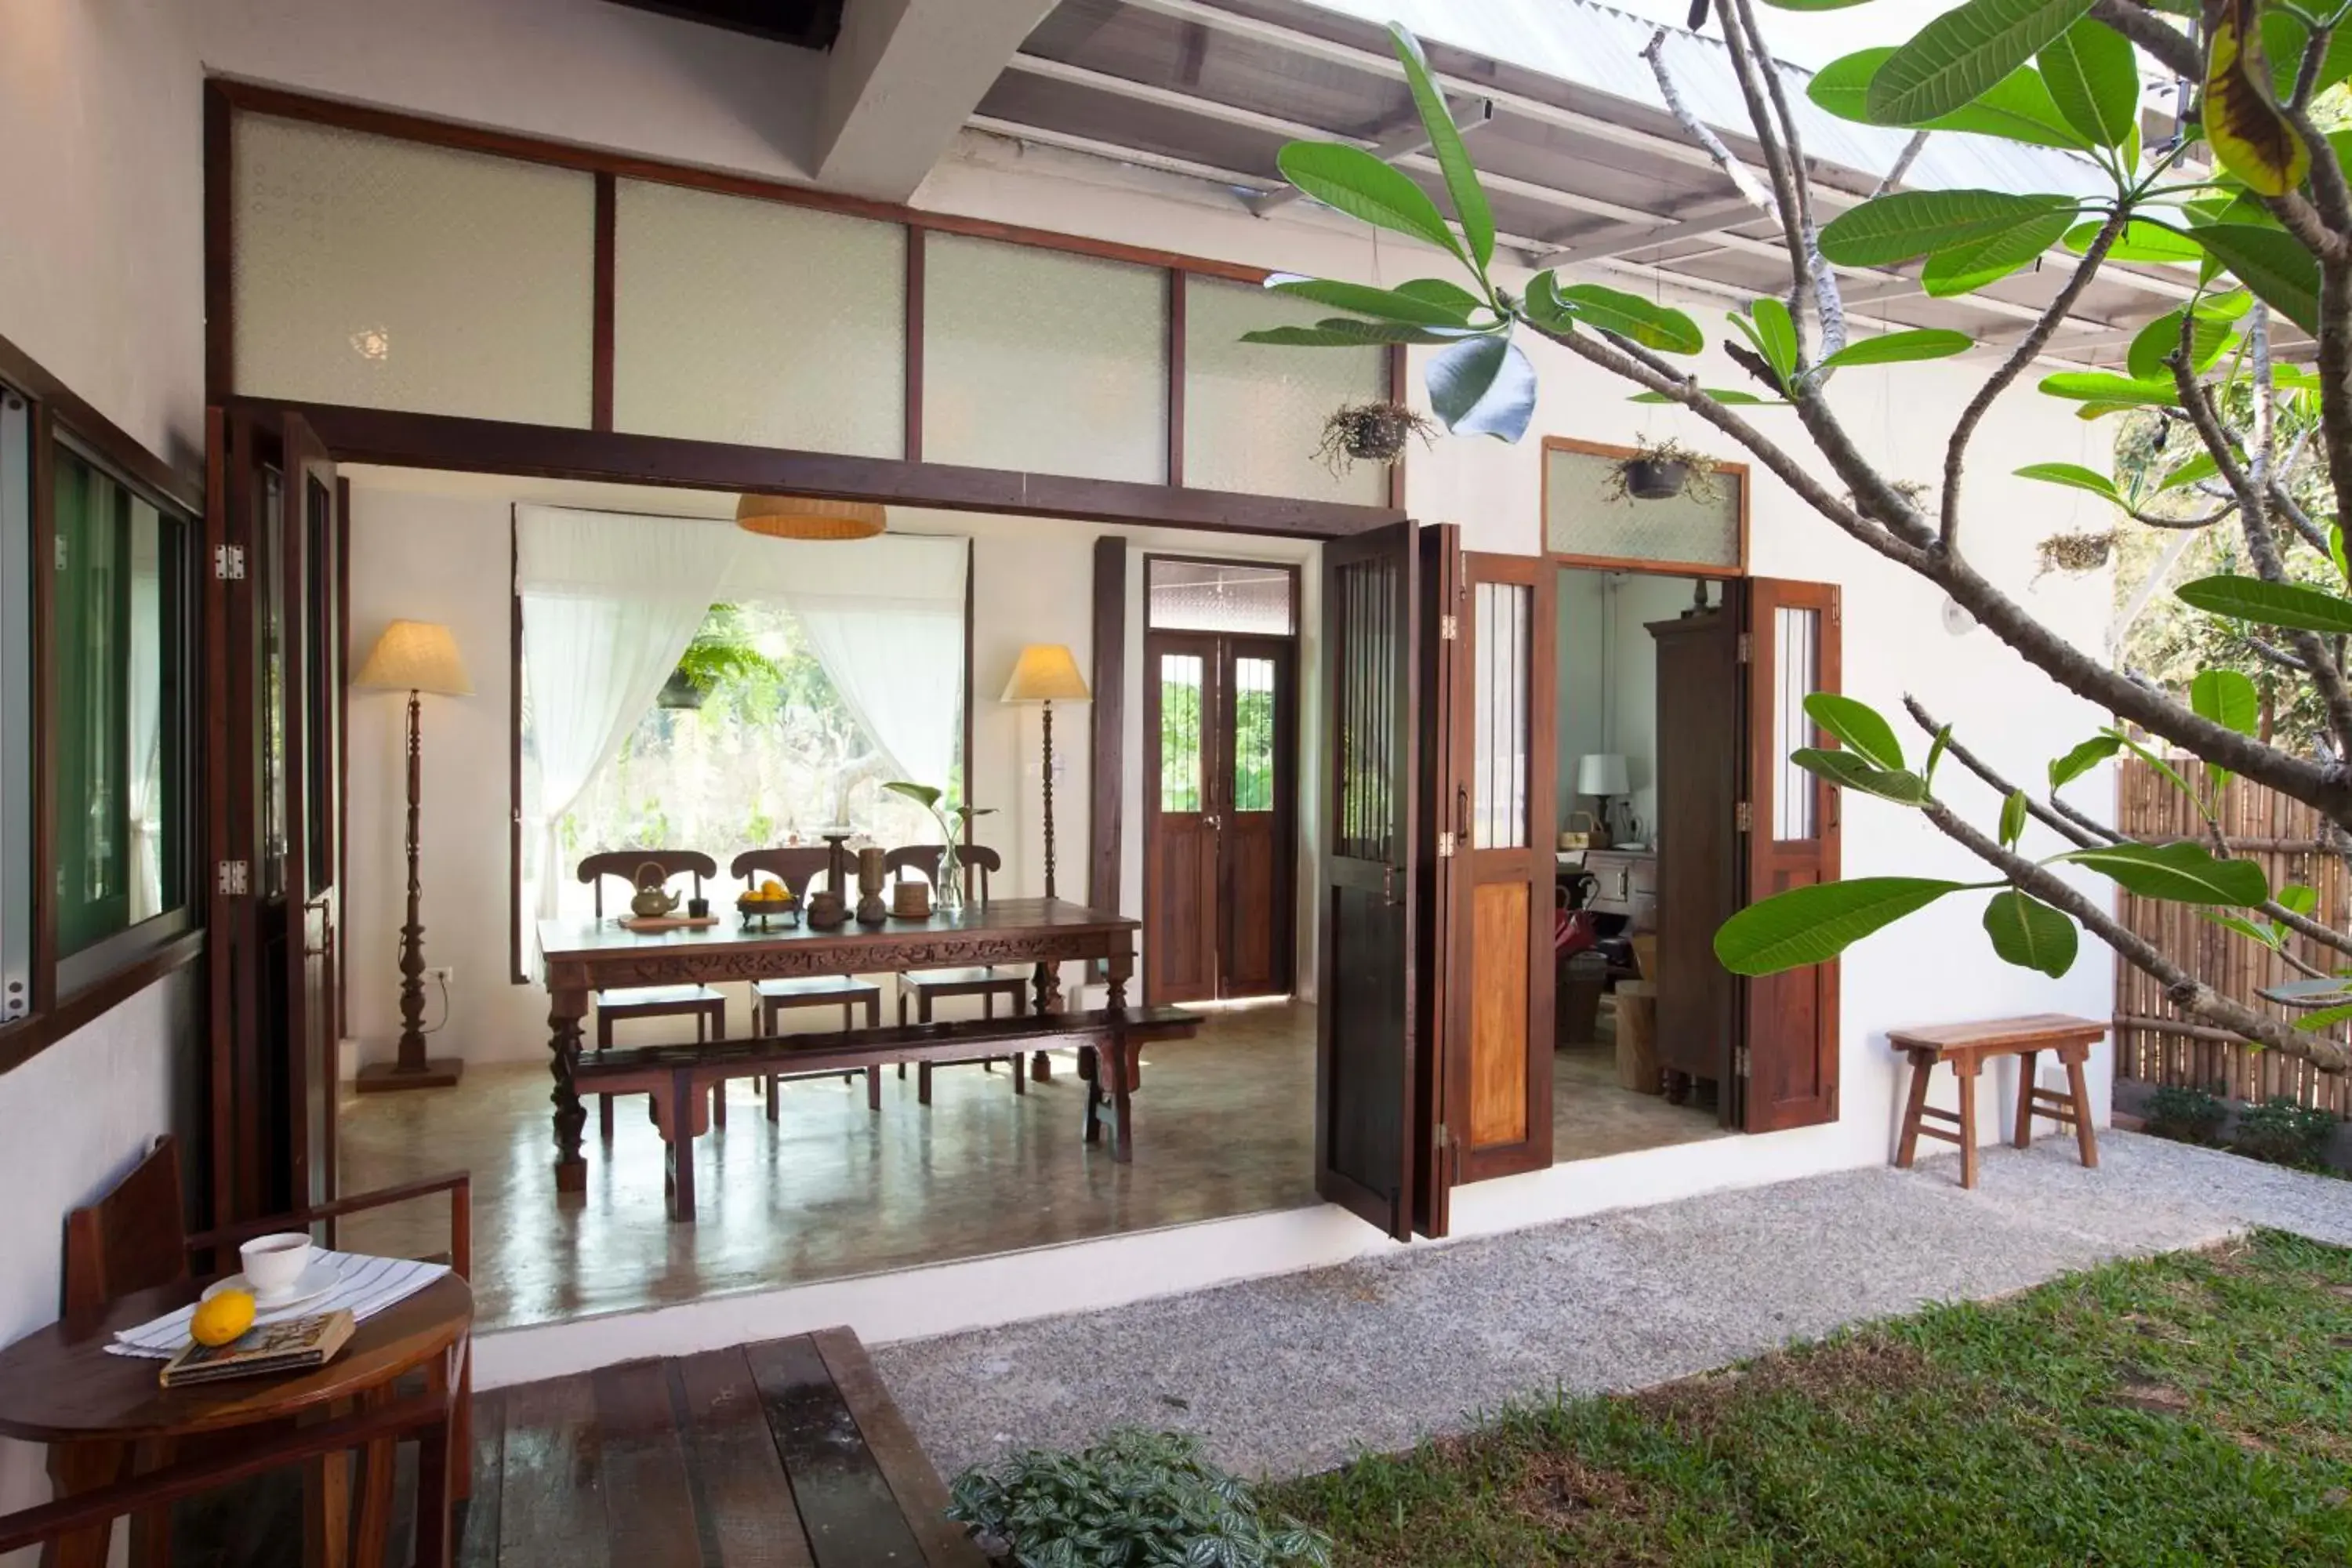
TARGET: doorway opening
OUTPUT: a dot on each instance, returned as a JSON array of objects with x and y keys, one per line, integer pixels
[{"x": 1220, "y": 779}]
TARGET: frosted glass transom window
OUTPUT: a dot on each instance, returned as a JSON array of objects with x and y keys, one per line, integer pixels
[
  {"x": 1042, "y": 361},
  {"x": 1582, "y": 518},
  {"x": 752, "y": 322},
  {"x": 1222, "y": 596},
  {"x": 1253, "y": 415},
  {"x": 390, "y": 274},
  {"x": 1796, "y": 637}
]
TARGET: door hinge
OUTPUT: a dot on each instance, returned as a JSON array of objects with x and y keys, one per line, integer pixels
[
  {"x": 1739, "y": 1060},
  {"x": 1747, "y": 647},
  {"x": 1449, "y": 628},
  {"x": 228, "y": 563},
  {"x": 1443, "y": 1138},
  {"x": 1744, "y": 817},
  {"x": 1445, "y": 847},
  {"x": 234, "y": 878}
]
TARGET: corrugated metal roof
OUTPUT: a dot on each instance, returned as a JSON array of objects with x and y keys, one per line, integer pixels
[{"x": 1599, "y": 47}]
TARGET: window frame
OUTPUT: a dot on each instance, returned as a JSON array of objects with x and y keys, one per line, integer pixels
[{"x": 67, "y": 995}]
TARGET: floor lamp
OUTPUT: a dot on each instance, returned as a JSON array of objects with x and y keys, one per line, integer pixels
[
  {"x": 1046, "y": 675},
  {"x": 414, "y": 657}
]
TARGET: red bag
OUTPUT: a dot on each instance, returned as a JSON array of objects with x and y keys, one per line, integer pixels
[{"x": 1572, "y": 931}]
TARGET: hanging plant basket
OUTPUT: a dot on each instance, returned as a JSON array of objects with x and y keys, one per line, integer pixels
[
  {"x": 2075, "y": 552},
  {"x": 680, "y": 691},
  {"x": 1657, "y": 478},
  {"x": 1664, "y": 472},
  {"x": 1370, "y": 433}
]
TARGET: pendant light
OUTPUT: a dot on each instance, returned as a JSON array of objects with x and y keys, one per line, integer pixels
[{"x": 804, "y": 517}]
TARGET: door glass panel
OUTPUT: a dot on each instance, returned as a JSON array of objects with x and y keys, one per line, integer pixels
[
  {"x": 1499, "y": 704},
  {"x": 1796, "y": 635},
  {"x": 1254, "y": 718},
  {"x": 1180, "y": 774},
  {"x": 1365, "y": 643},
  {"x": 318, "y": 683},
  {"x": 271, "y": 618}
]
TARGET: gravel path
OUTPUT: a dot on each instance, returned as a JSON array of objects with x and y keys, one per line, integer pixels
[{"x": 1298, "y": 1373}]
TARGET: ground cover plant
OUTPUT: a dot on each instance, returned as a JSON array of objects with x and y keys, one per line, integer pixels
[{"x": 2194, "y": 1408}]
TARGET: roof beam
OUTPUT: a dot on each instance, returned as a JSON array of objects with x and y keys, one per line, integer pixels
[
  {"x": 1408, "y": 140},
  {"x": 1620, "y": 239},
  {"x": 899, "y": 82}
]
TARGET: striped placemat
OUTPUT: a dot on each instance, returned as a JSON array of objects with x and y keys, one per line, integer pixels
[{"x": 367, "y": 1286}]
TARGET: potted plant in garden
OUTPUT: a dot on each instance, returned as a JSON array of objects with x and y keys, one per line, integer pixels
[
  {"x": 1662, "y": 470},
  {"x": 947, "y": 890}
]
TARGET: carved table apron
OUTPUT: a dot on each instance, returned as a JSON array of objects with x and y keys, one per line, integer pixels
[{"x": 587, "y": 956}]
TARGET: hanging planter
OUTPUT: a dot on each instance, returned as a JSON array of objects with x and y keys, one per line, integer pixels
[
  {"x": 1370, "y": 433},
  {"x": 1662, "y": 473},
  {"x": 2075, "y": 552}
]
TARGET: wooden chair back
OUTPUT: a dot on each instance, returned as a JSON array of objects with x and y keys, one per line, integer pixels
[
  {"x": 925, "y": 857},
  {"x": 133, "y": 1238},
  {"x": 626, "y": 863},
  {"x": 797, "y": 866}
]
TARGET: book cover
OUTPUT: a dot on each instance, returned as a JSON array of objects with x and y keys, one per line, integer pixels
[{"x": 296, "y": 1344}]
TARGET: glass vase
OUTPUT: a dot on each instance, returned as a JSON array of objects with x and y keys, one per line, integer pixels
[{"x": 946, "y": 889}]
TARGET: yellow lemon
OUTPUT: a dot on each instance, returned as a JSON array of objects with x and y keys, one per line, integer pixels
[
  {"x": 222, "y": 1317},
  {"x": 772, "y": 888}
]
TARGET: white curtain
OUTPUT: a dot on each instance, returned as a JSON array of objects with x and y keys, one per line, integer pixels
[
  {"x": 610, "y": 602},
  {"x": 144, "y": 759}
]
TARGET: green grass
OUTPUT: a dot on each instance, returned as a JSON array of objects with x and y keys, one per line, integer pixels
[{"x": 2189, "y": 1409}]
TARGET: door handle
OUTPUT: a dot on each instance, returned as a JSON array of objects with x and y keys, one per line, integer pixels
[
  {"x": 1213, "y": 824},
  {"x": 1388, "y": 886}
]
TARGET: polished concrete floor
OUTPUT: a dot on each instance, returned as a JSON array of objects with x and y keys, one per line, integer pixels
[{"x": 1224, "y": 1126}]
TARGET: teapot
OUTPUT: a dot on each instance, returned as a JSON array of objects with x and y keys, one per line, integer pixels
[{"x": 652, "y": 900}]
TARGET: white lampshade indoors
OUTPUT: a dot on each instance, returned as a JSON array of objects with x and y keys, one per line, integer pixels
[
  {"x": 804, "y": 517},
  {"x": 1602, "y": 772},
  {"x": 415, "y": 656},
  {"x": 1046, "y": 673}
]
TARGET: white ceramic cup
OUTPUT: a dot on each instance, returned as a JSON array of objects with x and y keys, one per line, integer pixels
[{"x": 273, "y": 1263}]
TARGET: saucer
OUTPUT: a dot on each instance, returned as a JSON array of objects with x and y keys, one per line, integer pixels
[{"x": 316, "y": 1281}]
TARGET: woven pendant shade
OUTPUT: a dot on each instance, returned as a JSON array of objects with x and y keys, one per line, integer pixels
[{"x": 804, "y": 517}]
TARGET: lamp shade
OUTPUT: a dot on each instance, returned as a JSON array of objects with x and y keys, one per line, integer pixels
[
  {"x": 416, "y": 656},
  {"x": 1046, "y": 673},
  {"x": 804, "y": 517},
  {"x": 1602, "y": 772}
]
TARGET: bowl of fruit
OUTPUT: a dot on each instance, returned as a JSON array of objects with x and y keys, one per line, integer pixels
[{"x": 767, "y": 904}]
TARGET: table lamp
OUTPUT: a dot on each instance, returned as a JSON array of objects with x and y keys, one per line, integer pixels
[
  {"x": 1603, "y": 774},
  {"x": 1046, "y": 674},
  {"x": 414, "y": 657}
]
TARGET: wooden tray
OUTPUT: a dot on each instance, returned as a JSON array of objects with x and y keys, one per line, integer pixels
[{"x": 666, "y": 922}]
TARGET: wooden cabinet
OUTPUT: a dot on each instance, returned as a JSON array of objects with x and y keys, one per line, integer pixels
[
  {"x": 1698, "y": 846},
  {"x": 1625, "y": 882}
]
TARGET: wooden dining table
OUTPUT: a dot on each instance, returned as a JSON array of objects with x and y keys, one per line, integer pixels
[{"x": 585, "y": 956}]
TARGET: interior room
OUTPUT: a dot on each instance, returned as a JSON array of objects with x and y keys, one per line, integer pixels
[
  {"x": 1637, "y": 738},
  {"x": 638, "y": 673}
]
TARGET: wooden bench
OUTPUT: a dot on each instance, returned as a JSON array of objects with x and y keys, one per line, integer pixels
[
  {"x": 678, "y": 1078},
  {"x": 1967, "y": 1047}
]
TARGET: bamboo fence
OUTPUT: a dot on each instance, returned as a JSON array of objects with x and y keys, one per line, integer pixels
[{"x": 2153, "y": 1042}]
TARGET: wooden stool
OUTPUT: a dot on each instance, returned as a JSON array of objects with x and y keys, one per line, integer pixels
[{"x": 1968, "y": 1047}]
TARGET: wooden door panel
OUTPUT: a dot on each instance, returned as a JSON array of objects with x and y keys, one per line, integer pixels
[
  {"x": 1256, "y": 746},
  {"x": 1700, "y": 850},
  {"x": 1251, "y": 866},
  {"x": 1179, "y": 823},
  {"x": 1789, "y": 1024},
  {"x": 1498, "y": 1111}
]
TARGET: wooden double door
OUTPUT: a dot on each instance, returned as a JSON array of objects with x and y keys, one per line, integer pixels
[
  {"x": 275, "y": 670},
  {"x": 1437, "y": 805},
  {"x": 1220, "y": 840}
]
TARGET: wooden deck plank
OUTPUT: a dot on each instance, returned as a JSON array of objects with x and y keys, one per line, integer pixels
[
  {"x": 552, "y": 1507},
  {"x": 746, "y": 1505},
  {"x": 923, "y": 1497},
  {"x": 476, "y": 1542},
  {"x": 852, "y": 1519},
  {"x": 649, "y": 1512}
]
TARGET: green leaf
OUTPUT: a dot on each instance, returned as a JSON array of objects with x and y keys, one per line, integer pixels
[
  {"x": 2094, "y": 77},
  {"x": 1776, "y": 335},
  {"x": 2029, "y": 934},
  {"x": 1462, "y": 184},
  {"x": 2250, "y": 134},
  {"x": 1897, "y": 348},
  {"x": 2181, "y": 873},
  {"x": 1906, "y": 224},
  {"x": 2202, "y": 466},
  {"x": 2270, "y": 261},
  {"x": 1352, "y": 181},
  {"x": 2140, "y": 241},
  {"x": 2243, "y": 927},
  {"x": 2170, "y": 774},
  {"x": 2018, "y": 108},
  {"x": 1856, "y": 726},
  {"x": 1848, "y": 771},
  {"x": 1720, "y": 394},
  {"x": 1964, "y": 268},
  {"x": 2289, "y": 605},
  {"x": 1387, "y": 304},
  {"x": 2336, "y": 551},
  {"x": 2012, "y": 819},
  {"x": 2123, "y": 392},
  {"x": 2065, "y": 769},
  {"x": 1484, "y": 386},
  {"x": 1811, "y": 924},
  {"x": 2284, "y": 40},
  {"x": 2160, "y": 339},
  {"x": 1956, "y": 57},
  {"x": 1935, "y": 756},
  {"x": 2228, "y": 697},
  {"x": 1652, "y": 325},
  {"x": 1438, "y": 291},
  {"x": 1302, "y": 338},
  {"x": 2326, "y": 1018},
  {"x": 2073, "y": 476},
  {"x": 2297, "y": 897},
  {"x": 1356, "y": 331},
  {"x": 1754, "y": 336}
]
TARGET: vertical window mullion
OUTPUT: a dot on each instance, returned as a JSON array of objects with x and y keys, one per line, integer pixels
[{"x": 17, "y": 739}]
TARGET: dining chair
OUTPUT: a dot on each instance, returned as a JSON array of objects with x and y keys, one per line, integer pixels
[
  {"x": 926, "y": 986},
  {"x": 135, "y": 1238},
  {"x": 798, "y": 866},
  {"x": 705, "y": 1005}
]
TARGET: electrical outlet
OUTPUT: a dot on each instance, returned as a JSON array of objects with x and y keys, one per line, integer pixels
[{"x": 445, "y": 974}]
